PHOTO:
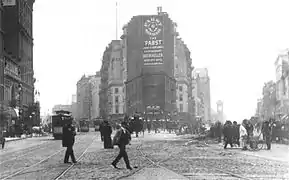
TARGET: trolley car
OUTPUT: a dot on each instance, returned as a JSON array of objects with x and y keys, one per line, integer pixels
[
  {"x": 97, "y": 122},
  {"x": 58, "y": 121},
  {"x": 84, "y": 125}
]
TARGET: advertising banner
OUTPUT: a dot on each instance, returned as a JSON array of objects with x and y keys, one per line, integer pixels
[{"x": 153, "y": 45}]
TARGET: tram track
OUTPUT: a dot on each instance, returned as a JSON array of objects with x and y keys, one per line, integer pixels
[
  {"x": 46, "y": 166},
  {"x": 158, "y": 164},
  {"x": 28, "y": 151}
]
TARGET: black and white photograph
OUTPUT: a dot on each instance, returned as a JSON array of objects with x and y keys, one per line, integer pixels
[{"x": 144, "y": 90}]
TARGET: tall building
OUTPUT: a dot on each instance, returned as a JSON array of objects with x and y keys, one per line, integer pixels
[
  {"x": 84, "y": 100},
  {"x": 203, "y": 100},
  {"x": 269, "y": 100},
  {"x": 183, "y": 76},
  {"x": 112, "y": 92},
  {"x": 282, "y": 83},
  {"x": 95, "y": 88},
  {"x": 1, "y": 59},
  {"x": 18, "y": 57},
  {"x": 149, "y": 64}
]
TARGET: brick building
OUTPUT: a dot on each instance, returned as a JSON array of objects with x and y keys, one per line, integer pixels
[{"x": 149, "y": 64}]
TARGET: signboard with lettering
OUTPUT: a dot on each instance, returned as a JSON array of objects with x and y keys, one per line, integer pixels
[
  {"x": 153, "y": 40},
  {"x": 9, "y": 2}
]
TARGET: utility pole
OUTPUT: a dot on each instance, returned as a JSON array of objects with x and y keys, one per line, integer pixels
[{"x": 116, "y": 23}]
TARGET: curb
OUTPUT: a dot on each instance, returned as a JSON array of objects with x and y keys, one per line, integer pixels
[{"x": 15, "y": 139}]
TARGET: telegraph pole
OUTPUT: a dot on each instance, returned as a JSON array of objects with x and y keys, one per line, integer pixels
[{"x": 116, "y": 19}]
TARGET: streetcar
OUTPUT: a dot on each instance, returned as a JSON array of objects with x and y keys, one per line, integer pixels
[
  {"x": 97, "y": 122},
  {"x": 84, "y": 125},
  {"x": 59, "y": 119}
]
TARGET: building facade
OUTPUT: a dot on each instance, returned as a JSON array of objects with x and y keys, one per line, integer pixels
[
  {"x": 269, "y": 100},
  {"x": 282, "y": 83},
  {"x": 1, "y": 59},
  {"x": 18, "y": 59},
  {"x": 183, "y": 76},
  {"x": 149, "y": 64},
  {"x": 112, "y": 94},
  {"x": 116, "y": 101},
  {"x": 95, "y": 89},
  {"x": 203, "y": 99},
  {"x": 84, "y": 98}
]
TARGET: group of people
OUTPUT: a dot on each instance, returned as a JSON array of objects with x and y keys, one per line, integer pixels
[
  {"x": 241, "y": 134},
  {"x": 121, "y": 139}
]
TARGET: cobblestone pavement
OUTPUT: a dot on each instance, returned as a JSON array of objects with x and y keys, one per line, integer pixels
[
  {"x": 45, "y": 162},
  {"x": 200, "y": 161}
]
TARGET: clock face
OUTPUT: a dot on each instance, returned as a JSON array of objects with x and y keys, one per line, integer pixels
[{"x": 153, "y": 26}]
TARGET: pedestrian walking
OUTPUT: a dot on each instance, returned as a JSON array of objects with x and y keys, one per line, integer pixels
[
  {"x": 2, "y": 139},
  {"x": 121, "y": 139},
  {"x": 243, "y": 135},
  {"x": 267, "y": 133},
  {"x": 219, "y": 132},
  {"x": 106, "y": 131},
  {"x": 228, "y": 134},
  {"x": 236, "y": 133},
  {"x": 68, "y": 139}
]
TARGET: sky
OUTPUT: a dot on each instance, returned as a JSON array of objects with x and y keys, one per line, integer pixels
[{"x": 238, "y": 41}]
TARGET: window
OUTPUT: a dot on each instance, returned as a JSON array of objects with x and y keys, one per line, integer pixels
[
  {"x": 181, "y": 108},
  {"x": 181, "y": 97},
  {"x": 116, "y": 109},
  {"x": 181, "y": 88},
  {"x": 116, "y": 90},
  {"x": 116, "y": 99}
]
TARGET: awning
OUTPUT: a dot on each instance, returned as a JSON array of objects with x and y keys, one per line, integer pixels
[{"x": 11, "y": 112}]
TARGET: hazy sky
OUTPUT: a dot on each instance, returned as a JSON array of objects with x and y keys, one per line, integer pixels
[{"x": 238, "y": 41}]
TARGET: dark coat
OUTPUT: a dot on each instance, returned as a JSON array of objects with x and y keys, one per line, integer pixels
[
  {"x": 105, "y": 129},
  {"x": 68, "y": 136},
  {"x": 121, "y": 137},
  {"x": 228, "y": 131}
]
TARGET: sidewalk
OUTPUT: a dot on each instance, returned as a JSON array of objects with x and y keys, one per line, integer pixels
[{"x": 278, "y": 152}]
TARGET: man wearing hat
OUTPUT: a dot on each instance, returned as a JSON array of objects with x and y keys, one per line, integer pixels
[
  {"x": 68, "y": 139},
  {"x": 122, "y": 138}
]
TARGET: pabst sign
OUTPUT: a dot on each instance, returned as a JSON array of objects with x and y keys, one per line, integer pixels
[{"x": 153, "y": 26}]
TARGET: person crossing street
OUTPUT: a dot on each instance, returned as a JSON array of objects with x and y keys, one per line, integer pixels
[
  {"x": 121, "y": 139},
  {"x": 68, "y": 139}
]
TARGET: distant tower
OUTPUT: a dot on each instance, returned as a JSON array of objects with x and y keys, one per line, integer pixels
[
  {"x": 160, "y": 10},
  {"x": 220, "y": 110}
]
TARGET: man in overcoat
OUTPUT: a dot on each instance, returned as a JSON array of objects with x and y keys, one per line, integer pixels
[
  {"x": 106, "y": 131},
  {"x": 121, "y": 139},
  {"x": 68, "y": 139}
]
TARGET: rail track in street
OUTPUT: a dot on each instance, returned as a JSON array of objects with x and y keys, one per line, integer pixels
[
  {"x": 49, "y": 165},
  {"x": 212, "y": 167}
]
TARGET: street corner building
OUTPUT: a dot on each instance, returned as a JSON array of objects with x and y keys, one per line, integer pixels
[{"x": 152, "y": 54}]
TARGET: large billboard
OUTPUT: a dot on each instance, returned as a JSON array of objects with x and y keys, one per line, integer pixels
[{"x": 153, "y": 37}]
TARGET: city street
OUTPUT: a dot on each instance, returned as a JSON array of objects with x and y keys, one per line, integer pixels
[
  {"x": 157, "y": 156},
  {"x": 39, "y": 158}
]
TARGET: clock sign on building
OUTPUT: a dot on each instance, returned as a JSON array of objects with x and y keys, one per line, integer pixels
[{"x": 153, "y": 40}]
